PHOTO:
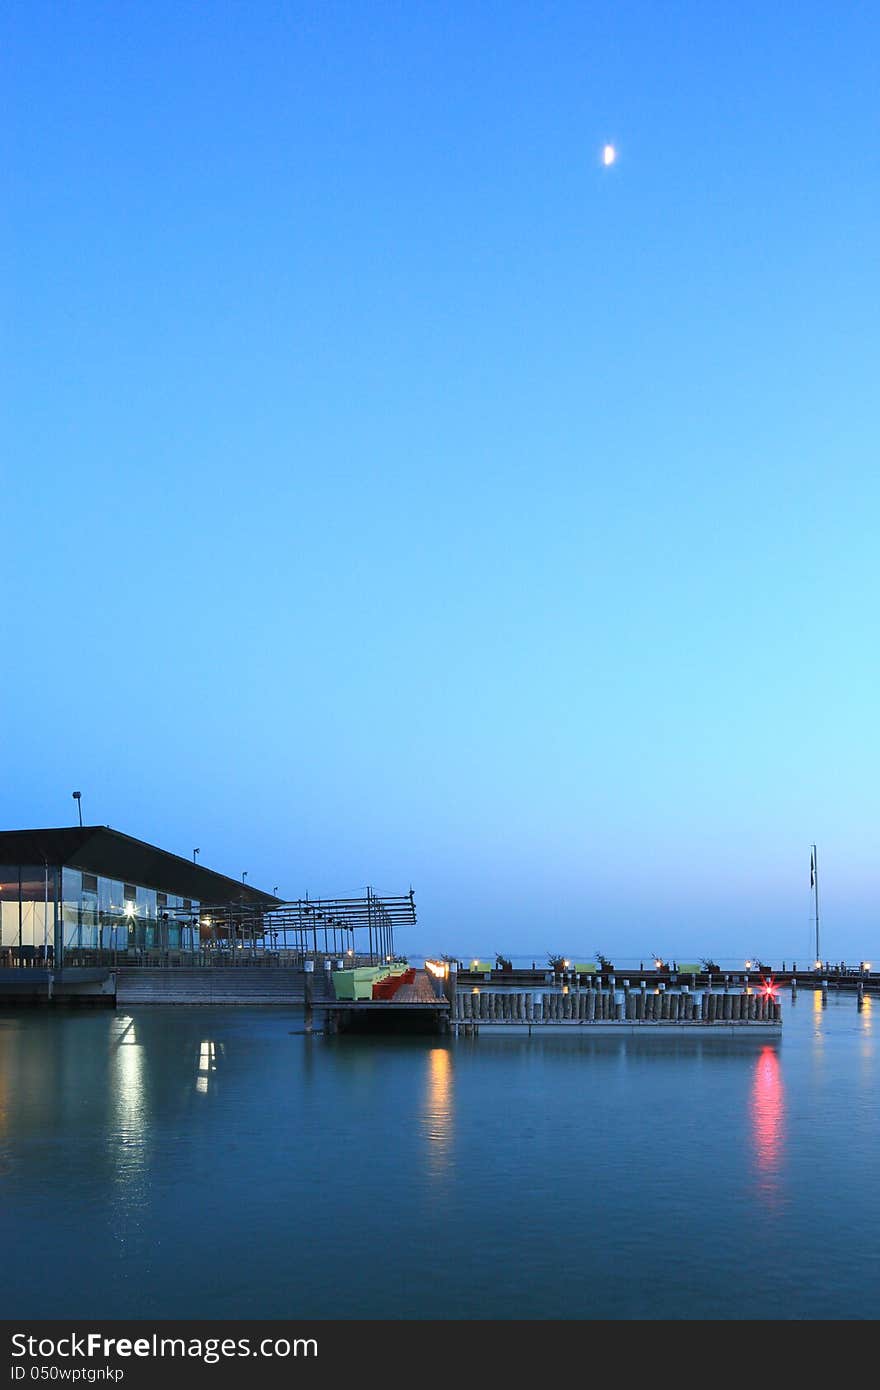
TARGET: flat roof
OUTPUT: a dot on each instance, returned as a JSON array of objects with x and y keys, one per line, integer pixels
[{"x": 100, "y": 850}]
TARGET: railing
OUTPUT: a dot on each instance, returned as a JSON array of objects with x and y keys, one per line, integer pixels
[{"x": 154, "y": 958}]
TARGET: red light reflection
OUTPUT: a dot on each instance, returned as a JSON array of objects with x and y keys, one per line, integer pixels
[{"x": 768, "y": 1120}]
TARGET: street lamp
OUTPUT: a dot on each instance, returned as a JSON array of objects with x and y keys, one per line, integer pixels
[
  {"x": 244, "y": 874},
  {"x": 196, "y": 853},
  {"x": 77, "y": 796}
]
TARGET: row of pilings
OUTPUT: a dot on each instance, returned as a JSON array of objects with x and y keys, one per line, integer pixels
[{"x": 595, "y": 1006}]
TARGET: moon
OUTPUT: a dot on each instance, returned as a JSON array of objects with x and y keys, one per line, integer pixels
[{"x": 609, "y": 155}]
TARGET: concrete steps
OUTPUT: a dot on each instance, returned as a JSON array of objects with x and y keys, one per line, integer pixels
[{"x": 215, "y": 985}]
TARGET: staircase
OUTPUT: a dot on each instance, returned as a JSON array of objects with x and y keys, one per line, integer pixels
[{"x": 216, "y": 985}]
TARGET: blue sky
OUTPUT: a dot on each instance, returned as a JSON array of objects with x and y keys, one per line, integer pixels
[{"x": 393, "y": 494}]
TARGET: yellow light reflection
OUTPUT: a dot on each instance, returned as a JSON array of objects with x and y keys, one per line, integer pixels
[{"x": 437, "y": 1112}]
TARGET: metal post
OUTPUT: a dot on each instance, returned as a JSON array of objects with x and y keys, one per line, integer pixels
[
  {"x": 370, "y": 921},
  {"x": 309, "y": 971},
  {"x": 46, "y": 917},
  {"x": 814, "y": 867}
]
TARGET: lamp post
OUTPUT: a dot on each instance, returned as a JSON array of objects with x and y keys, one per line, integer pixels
[
  {"x": 77, "y": 796},
  {"x": 196, "y": 853}
]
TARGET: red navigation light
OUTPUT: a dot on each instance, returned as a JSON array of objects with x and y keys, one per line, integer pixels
[{"x": 770, "y": 987}]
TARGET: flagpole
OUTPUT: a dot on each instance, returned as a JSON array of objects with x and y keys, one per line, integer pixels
[{"x": 814, "y": 867}]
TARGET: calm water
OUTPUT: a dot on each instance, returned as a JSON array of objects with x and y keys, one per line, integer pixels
[{"x": 207, "y": 1163}]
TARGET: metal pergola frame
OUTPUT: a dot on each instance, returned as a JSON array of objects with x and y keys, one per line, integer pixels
[{"x": 311, "y": 926}]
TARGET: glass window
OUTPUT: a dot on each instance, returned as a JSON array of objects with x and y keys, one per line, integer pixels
[
  {"x": 9, "y": 899},
  {"x": 129, "y": 908},
  {"x": 37, "y": 910},
  {"x": 146, "y": 916},
  {"x": 71, "y": 906},
  {"x": 89, "y": 913},
  {"x": 112, "y": 926}
]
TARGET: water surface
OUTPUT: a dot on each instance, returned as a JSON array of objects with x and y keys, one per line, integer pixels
[{"x": 201, "y": 1162}]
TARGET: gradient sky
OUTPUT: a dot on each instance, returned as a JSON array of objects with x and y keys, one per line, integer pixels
[{"x": 393, "y": 495}]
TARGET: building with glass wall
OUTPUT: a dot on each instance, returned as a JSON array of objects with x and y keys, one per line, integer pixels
[{"x": 89, "y": 889}]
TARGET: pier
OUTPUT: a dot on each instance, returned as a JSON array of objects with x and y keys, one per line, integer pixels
[
  {"x": 414, "y": 1005},
  {"x": 615, "y": 1011},
  {"x": 572, "y": 1000},
  {"x": 442, "y": 999}
]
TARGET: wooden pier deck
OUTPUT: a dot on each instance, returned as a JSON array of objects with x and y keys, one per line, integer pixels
[{"x": 421, "y": 991}]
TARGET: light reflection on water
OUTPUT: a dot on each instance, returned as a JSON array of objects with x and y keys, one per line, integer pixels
[
  {"x": 437, "y": 1112},
  {"x": 768, "y": 1123},
  {"x": 202, "y": 1162},
  {"x": 127, "y": 1086},
  {"x": 207, "y": 1065}
]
